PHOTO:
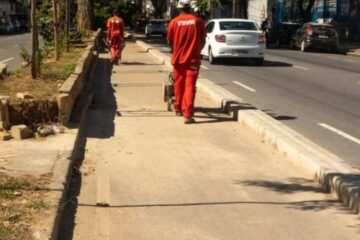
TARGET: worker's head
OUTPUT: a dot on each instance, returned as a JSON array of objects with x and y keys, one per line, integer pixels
[
  {"x": 116, "y": 12},
  {"x": 184, "y": 6}
]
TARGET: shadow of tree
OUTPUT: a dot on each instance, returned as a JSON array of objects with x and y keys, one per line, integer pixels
[{"x": 295, "y": 185}]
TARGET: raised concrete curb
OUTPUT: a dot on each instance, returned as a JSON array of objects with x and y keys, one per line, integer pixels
[
  {"x": 62, "y": 171},
  {"x": 74, "y": 84},
  {"x": 324, "y": 167}
]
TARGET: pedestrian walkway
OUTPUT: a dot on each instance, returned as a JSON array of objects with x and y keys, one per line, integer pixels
[{"x": 146, "y": 175}]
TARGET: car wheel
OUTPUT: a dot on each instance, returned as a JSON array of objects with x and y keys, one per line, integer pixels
[
  {"x": 277, "y": 43},
  {"x": 212, "y": 59},
  {"x": 292, "y": 45},
  {"x": 259, "y": 61},
  {"x": 303, "y": 46}
]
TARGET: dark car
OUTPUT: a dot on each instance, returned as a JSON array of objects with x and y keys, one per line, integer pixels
[
  {"x": 315, "y": 35},
  {"x": 139, "y": 25},
  {"x": 280, "y": 34}
]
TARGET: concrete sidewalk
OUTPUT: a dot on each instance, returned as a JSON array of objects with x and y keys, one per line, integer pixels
[{"x": 146, "y": 175}]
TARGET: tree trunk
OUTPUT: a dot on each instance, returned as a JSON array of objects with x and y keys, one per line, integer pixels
[
  {"x": 84, "y": 15},
  {"x": 34, "y": 40},
  {"x": 56, "y": 29},
  {"x": 67, "y": 24},
  {"x": 234, "y": 8}
]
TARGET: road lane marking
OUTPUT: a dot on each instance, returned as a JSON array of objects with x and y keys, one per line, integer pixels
[
  {"x": 300, "y": 67},
  {"x": 341, "y": 133},
  {"x": 349, "y": 60},
  {"x": 7, "y": 60},
  {"x": 204, "y": 67},
  {"x": 244, "y": 86}
]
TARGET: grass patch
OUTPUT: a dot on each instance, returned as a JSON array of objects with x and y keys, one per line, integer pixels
[
  {"x": 53, "y": 74},
  {"x": 21, "y": 204}
]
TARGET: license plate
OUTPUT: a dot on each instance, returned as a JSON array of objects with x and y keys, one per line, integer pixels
[
  {"x": 242, "y": 51},
  {"x": 323, "y": 36}
]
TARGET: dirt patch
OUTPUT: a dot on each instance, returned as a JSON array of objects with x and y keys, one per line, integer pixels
[{"x": 22, "y": 205}]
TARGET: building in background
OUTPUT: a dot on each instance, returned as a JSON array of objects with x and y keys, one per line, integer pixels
[{"x": 14, "y": 15}]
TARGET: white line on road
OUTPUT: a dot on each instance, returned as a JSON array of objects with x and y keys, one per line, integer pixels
[
  {"x": 300, "y": 67},
  {"x": 341, "y": 133},
  {"x": 204, "y": 67},
  {"x": 7, "y": 60},
  {"x": 244, "y": 86}
]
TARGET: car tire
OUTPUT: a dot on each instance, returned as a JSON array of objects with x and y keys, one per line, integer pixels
[
  {"x": 292, "y": 45},
  {"x": 212, "y": 59},
  {"x": 259, "y": 61},
  {"x": 277, "y": 43},
  {"x": 303, "y": 46}
]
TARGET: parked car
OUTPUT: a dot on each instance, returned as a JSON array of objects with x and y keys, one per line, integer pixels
[
  {"x": 315, "y": 35},
  {"x": 140, "y": 24},
  {"x": 281, "y": 33},
  {"x": 156, "y": 26},
  {"x": 6, "y": 28},
  {"x": 234, "y": 38}
]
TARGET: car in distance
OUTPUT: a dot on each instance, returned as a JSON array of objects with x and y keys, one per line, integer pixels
[
  {"x": 234, "y": 38},
  {"x": 156, "y": 26},
  {"x": 315, "y": 35},
  {"x": 280, "y": 34}
]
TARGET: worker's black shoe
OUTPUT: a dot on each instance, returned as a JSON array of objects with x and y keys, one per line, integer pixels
[{"x": 189, "y": 120}]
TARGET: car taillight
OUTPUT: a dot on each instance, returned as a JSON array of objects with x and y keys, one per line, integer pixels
[
  {"x": 262, "y": 38},
  {"x": 309, "y": 31},
  {"x": 220, "y": 38}
]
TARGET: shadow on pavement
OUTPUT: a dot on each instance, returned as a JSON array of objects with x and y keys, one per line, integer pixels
[
  {"x": 296, "y": 185},
  {"x": 279, "y": 117},
  {"x": 250, "y": 63},
  {"x": 98, "y": 122}
]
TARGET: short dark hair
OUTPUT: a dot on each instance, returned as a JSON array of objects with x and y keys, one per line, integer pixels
[{"x": 116, "y": 12}]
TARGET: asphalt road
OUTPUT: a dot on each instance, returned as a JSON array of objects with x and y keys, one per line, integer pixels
[
  {"x": 10, "y": 49},
  {"x": 315, "y": 93}
]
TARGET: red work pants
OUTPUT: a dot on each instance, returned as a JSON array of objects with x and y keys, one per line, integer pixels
[
  {"x": 115, "y": 45},
  {"x": 185, "y": 87}
]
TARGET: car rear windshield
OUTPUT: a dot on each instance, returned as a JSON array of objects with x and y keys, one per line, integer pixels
[
  {"x": 157, "y": 22},
  {"x": 237, "y": 25}
]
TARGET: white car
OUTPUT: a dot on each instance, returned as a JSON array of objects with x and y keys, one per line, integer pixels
[{"x": 234, "y": 38}]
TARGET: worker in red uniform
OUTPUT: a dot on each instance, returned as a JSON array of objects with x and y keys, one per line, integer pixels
[
  {"x": 115, "y": 36},
  {"x": 186, "y": 36}
]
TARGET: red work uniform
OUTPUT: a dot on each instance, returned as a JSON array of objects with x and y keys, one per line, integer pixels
[
  {"x": 187, "y": 34},
  {"x": 115, "y": 26}
]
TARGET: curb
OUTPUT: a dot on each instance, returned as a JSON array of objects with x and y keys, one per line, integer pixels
[
  {"x": 325, "y": 168},
  {"x": 61, "y": 179}
]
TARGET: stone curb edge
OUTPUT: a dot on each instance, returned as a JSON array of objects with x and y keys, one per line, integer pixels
[
  {"x": 328, "y": 170},
  {"x": 61, "y": 179}
]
